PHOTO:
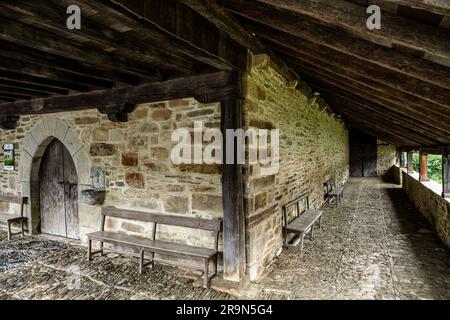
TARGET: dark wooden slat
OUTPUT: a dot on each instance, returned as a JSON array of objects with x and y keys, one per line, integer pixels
[
  {"x": 26, "y": 92},
  {"x": 51, "y": 61},
  {"x": 398, "y": 123},
  {"x": 55, "y": 74},
  {"x": 205, "y": 88},
  {"x": 142, "y": 26},
  {"x": 29, "y": 36},
  {"x": 290, "y": 30},
  {"x": 14, "y": 96},
  {"x": 377, "y": 99},
  {"x": 338, "y": 63},
  {"x": 433, "y": 42},
  {"x": 373, "y": 89},
  {"x": 25, "y": 78},
  {"x": 30, "y": 86},
  {"x": 96, "y": 34},
  {"x": 231, "y": 26},
  {"x": 379, "y": 122}
]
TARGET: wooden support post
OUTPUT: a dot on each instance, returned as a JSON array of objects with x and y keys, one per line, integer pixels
[
  {"x": 409, "y": 163},
  {"x": 402, "y": 159},
  {"x": 423, "y": 167},
  {"x": 232, "y": 193},
  {"x": 398, "y": 156},
  {"x": 446, "y": 171}
]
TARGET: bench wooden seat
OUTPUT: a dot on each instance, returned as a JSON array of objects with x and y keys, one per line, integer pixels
[
  {"x": 157, "y": 246},
  {"x": 333, "y": 192},
  {"x": 302, "y": 223},
  {"x": 10, "y": 218}
]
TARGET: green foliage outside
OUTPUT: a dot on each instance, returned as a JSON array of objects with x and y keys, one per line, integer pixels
[
  {"x": 9, "y": 162},
  {"x": 434, "y": 166}
]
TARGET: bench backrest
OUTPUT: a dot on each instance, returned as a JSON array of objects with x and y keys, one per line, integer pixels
[
  {"x": 214, "y": 225},
  {"x": 329, "y": 185},
  {"x": 294, "y": 204},
  {"x": 15, "y": 199}
]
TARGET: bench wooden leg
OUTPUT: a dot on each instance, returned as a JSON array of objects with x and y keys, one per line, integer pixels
[
  {"x": 89, "y": 253},
  {"x": 285, "y": 238},
  {"x": 320, "y": 222},
  {"x": 302, "y": 236},
  {"x": 312, "y": 232},
  {"x": 9, "y": 230},
  {"x": 215, "y": 264},
  {"x": 206, "y": 274},
  {"x": 101, "y": 249},
  {"x": 141, "y": 262},
  {"x": 152, "y": 263},
  {"x": 22, "y": 228}
]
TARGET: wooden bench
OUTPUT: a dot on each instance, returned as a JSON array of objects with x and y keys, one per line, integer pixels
[
  {"x": 302, "y": 223},
  {"x": 333, "y": 192},
  {"x": 10, "y": 218},
  {"x": 153, "y": 245}
]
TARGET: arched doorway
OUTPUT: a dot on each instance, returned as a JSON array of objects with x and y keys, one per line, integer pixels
[{"x": 58, "y": 188}]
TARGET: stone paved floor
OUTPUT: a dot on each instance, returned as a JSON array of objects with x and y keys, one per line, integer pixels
[{"x": 373, "y": 246}]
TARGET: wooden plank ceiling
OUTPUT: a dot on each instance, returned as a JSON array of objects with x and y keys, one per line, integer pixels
[
  {"x": 393, "y": 83},
  {"x": 120, "y": 44}
]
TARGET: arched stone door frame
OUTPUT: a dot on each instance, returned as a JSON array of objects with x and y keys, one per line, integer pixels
[{"x": 33, "y": 147}]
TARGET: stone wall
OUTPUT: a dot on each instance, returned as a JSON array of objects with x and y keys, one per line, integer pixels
[
  {"x": 386, "y": 155},
  {"x": 313, "y": 148},
  {"x": 429, "y": 202},
  {"x": 136, "y": 158}
]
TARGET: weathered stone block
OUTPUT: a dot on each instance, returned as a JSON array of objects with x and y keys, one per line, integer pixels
[
  {"x": 102, "y": 149},
  {"x": 207, "y": 203},
  {"x": 161, "y": 114},
  {"x": 130, "y": 159},
  {"x": 135, "y": 180},
  {"x": 176, "y": 204}
]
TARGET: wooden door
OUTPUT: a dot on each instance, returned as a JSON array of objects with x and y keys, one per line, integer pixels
[
  {"x": 363, "y": 160},
  {"x": 58, "y": 192}
]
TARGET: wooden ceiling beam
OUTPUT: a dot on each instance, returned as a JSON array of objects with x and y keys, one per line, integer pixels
[
  {"x": 398, "y": 123},
  {"x": 99, "y": 35},
  {"x": 37, "y": 80},
  {"x": 205, "y": 88},
  {"x": 30, "y": 86},
  {"x": 380, "y": 127},
  {"x": 55, "y": 74},
  {"x": 428, "y": 92},
  {"x": 380, "y": 102},
  {"x": 439, "y": 7},
  {"x": 26, "y": 92},
  {"x": 146, "y": 29},
  {"x": 292, "y": 30},
  {"x": 18, "y": 33},
  {"x": 423, "y": 39},
  {"x": 51, "y": 61},
  {"x": 366, "y": 80},
  {"x": 226, "y": 22}
]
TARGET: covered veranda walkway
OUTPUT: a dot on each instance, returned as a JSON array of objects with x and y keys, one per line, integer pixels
[{"x": 373, "y": 246}]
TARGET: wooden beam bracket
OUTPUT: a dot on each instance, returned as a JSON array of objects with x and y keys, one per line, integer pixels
[
  {"x": 118, "y": 113},
  {"x": 8, "y": 122}
]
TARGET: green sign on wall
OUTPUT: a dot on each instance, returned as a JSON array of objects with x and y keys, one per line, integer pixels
[{"x": 8, "y": 157}]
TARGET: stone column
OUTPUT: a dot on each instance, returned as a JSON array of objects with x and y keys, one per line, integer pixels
[
  {"x": 446, "y": 172},
  {"x": 423, "y": 167},
  {"x": 409, "y": 163}
]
